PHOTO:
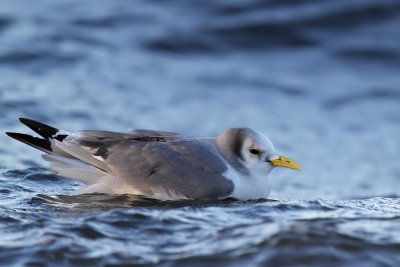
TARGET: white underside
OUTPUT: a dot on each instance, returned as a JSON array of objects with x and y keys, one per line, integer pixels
[{"x": 248, "y": 187}]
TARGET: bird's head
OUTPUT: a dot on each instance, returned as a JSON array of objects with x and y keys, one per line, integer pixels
[{"x": 253, "y": 150}]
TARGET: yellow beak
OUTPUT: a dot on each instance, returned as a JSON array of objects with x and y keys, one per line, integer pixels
[{"x": 285, "y": 162}]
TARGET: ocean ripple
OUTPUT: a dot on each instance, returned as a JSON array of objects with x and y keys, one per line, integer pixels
[{"x": 319, "y": 77}]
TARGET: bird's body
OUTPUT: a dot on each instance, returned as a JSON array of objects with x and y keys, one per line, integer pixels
[{"x": 161, "y": 165}]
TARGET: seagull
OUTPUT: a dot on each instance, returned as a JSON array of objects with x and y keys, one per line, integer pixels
[{"x": 161, "y": 165}]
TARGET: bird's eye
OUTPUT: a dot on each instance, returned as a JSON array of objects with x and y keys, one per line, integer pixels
[{"x": 254, "y": 151}]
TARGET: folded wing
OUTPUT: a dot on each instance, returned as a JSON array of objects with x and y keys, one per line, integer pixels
[{"x": 155, "y": 164}]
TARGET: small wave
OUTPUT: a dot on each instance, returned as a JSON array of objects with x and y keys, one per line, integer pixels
[
  {"x": 87, "y": 231},
  {"x": 103, "y": 202},
  {"x": 242, "y": 81},
  {"x": 4, "y": 22},
  {"x": 372, "y": 94},
  {"x": 183, "y": 43},
  {"x": 43, "y": 177},
  {"x": 262, "y": 35},
  {"x": 272, "y": 24},
  {"x": 112, "y": 20},
  {"x": 349, "y": 15},
  {"x": 79, "y": 37},
  {"x": 34, "y": 57},
  {"x": 20, "y": 173},
  {"x": 375, "y": 55}
]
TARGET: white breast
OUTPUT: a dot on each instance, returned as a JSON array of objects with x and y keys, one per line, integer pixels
[{"x": 248, "y": 187}]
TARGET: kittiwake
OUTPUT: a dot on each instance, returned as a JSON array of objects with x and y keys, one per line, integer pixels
[{"x": 161, "y": 165}]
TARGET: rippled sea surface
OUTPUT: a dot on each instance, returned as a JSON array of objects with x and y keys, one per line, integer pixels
[{"x": 320, "y": 78}]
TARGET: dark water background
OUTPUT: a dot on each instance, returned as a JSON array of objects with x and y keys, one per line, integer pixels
[{"x": 321, "y": 78}]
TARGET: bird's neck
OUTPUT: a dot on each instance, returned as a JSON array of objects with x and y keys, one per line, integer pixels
[{"x": 251, "y": 187}]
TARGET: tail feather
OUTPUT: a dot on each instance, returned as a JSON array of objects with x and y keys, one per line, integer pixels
[
  {"x": 36, "y": 142},
  {"x": 74, "y": 169},
  {"x": 67, "y": 157}
]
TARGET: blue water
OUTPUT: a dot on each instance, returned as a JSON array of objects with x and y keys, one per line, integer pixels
[{"x": 320, "y": 78}]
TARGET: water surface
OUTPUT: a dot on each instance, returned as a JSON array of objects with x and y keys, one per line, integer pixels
[{"x": 321, "y": 79}]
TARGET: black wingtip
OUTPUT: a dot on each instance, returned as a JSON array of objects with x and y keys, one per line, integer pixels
[
  {"x": 10, "y": 134},
  {"x": 42, "y": 129},
  {"x": 39, "y": 143},
  {"x": 18, "y": 136},
  {"x": 27, "y": 121}
]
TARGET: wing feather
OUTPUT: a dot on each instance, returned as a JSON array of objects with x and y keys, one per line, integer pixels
[
  {"x": 187, "y": 168},
  {"x": 74, "y": 169},
  {"x": 77, "y": 151}
]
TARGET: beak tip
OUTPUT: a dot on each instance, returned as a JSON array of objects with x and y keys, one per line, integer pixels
[{"x": 287, "y": 163}]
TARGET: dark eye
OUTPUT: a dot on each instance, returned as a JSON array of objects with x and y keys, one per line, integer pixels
[{"x": 254, "y": 151}]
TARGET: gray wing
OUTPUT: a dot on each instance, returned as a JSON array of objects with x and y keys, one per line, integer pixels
[
  {"x": 181, "y": 167},
  {"x": 142, "y": 132},
  {"x": 160, "y": 165}
]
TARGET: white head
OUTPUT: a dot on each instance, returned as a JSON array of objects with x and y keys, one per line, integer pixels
[
  {"x": 256, "y": 152},
  {"x": 253, "y": 155}
]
